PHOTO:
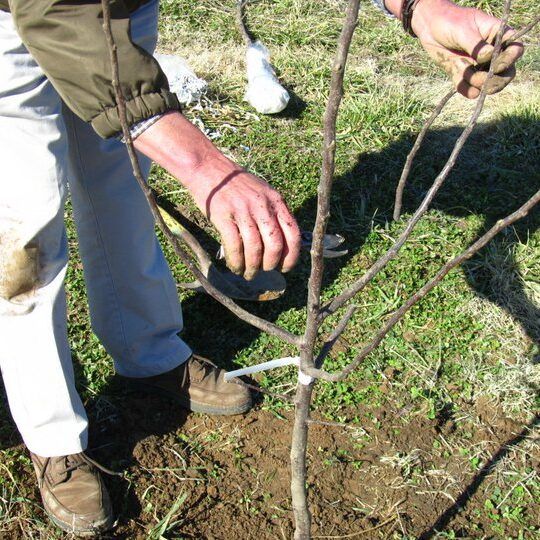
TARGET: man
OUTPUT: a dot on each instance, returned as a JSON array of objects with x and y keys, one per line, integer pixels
[{"x": 58, "y": 128}]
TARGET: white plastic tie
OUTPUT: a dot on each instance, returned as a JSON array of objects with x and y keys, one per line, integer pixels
[
  {"x": 304, "y": 379},
  {"x": 272, "y": 364}
]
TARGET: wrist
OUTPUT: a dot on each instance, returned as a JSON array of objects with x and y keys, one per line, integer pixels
[{"x": 426, "y": 13}]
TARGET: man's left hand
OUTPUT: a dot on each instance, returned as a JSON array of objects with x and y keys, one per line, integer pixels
[{"x": 461, "y": 40}]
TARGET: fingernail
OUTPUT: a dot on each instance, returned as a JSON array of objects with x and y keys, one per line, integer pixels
[
  {"x": 250, "y": 274},
  {"x": 238, "y": 270}
]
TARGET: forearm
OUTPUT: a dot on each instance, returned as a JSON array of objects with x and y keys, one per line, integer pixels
[{"x": 184, "y": 151}]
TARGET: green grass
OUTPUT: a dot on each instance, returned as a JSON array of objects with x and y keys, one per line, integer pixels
[{"x": 475, "y": 337}]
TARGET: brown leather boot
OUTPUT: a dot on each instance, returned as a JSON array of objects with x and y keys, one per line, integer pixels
[
  {"x": 73, "y": 493},
  {"x": 198, "y": 385}
]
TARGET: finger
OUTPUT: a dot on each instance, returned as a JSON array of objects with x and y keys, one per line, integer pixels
[
  {"x": 475, "y": 77},
  {"x": 232, "y": 245},
  {"x": 465, "y": 89},
  {"x": 508, "y": 57},
  {"x": 481, "y": 50},
  {"x": 511, "y": 51},
  {"x": 291, "y": 235},
  {"x": 502, "y": 80},
  {"x": 253, "y": 246},
  {"x": 272, "y": 239},
  {"x": 462, "y": 70}
]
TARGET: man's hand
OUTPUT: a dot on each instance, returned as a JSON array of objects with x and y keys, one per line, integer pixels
[
  {"x": 256, "y": 227},
  {"x": 461, "y": 41}
]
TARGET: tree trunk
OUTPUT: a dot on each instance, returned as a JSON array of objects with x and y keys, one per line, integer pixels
[{"x": 302, "y": 516}]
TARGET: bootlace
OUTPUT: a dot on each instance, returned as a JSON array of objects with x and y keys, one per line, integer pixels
[
  {"x": 206, "y": 365},
  {"x": 74, "y": 462}
]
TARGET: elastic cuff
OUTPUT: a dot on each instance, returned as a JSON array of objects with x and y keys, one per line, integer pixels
[
  {"x": 140, "y": 127},
  {"x": 107, "y": 123}
]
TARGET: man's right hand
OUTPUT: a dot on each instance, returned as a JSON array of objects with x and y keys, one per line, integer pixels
[{"x": 256, "y": 227}]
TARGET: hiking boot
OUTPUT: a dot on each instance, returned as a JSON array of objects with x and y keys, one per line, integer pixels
[
  {"x": 198, "y": 386},
  {"x": 73, "y": 493}
]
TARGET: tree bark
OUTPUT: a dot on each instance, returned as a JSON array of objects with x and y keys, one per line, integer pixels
[{"x": 302, "y": 515}]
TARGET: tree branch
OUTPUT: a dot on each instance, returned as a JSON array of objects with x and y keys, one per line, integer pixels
[
  {"x": 302, "y": 516},
  {"x": 521, "y": 33},
  {"x": 412, "y": 154},
  {"x": 241, "y": 313},
  {"x": 327, "y": 178},
  {"x": 334, "y": 336}
]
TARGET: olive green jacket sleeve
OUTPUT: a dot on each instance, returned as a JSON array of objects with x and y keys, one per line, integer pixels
[{"x": 67, "y": 40}]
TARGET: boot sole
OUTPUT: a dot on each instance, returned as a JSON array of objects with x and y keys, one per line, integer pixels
[
  {"x": 99, "y": 528},
  {"x": 194, "y": 406}
]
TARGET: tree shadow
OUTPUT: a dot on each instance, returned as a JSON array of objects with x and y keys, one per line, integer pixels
[
  {"x": 466, "y": 495},
  {"x": 365, "y": 194}
]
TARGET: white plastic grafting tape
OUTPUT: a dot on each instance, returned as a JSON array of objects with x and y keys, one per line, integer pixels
[
  {"x": 272, "y": 364},
  {"x": 304, "y": 379},
  {"x": 264, "y": 91}
]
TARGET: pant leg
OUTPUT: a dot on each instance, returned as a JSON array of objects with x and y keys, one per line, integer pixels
[
  {"x": 34, "y": 353},
  {"x": 132, "y": 295}
]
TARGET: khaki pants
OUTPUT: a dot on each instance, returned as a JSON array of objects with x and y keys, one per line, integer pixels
[{"x": 44, "y": 150}]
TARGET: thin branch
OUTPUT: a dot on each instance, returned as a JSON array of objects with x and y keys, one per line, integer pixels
[
  {"x": 241, "y": 22},
  {"x": 521, "y": 33},
  {"x": 302, "y": 516},
  {"x": 327, "y": 179},
  {"x": 412, "y": 154},
  {"x": 429, "y": 122},
  {"x": 359, "y": 285},
  {"x": 391, "y": 253},
  {"x": 241, "y": 313},
  {"x": 334, "y": 336},
  {"x": 396, "y": 317}
]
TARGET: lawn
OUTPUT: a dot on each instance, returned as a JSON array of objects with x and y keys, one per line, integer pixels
[{"x": 442, "y": 419}]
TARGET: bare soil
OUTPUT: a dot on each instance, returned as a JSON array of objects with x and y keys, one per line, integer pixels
[{"x": 399, "y": 473}]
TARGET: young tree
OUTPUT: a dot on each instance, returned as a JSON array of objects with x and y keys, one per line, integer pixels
[{"x": 310, "y": 365}]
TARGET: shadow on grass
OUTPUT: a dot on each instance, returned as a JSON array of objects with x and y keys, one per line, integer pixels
[
  {"x": 472, "y": 488},
  {"x": 492, "y": 178}
]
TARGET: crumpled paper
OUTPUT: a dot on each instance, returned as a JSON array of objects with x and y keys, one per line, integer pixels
[{"x": 182, "y": 80}]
